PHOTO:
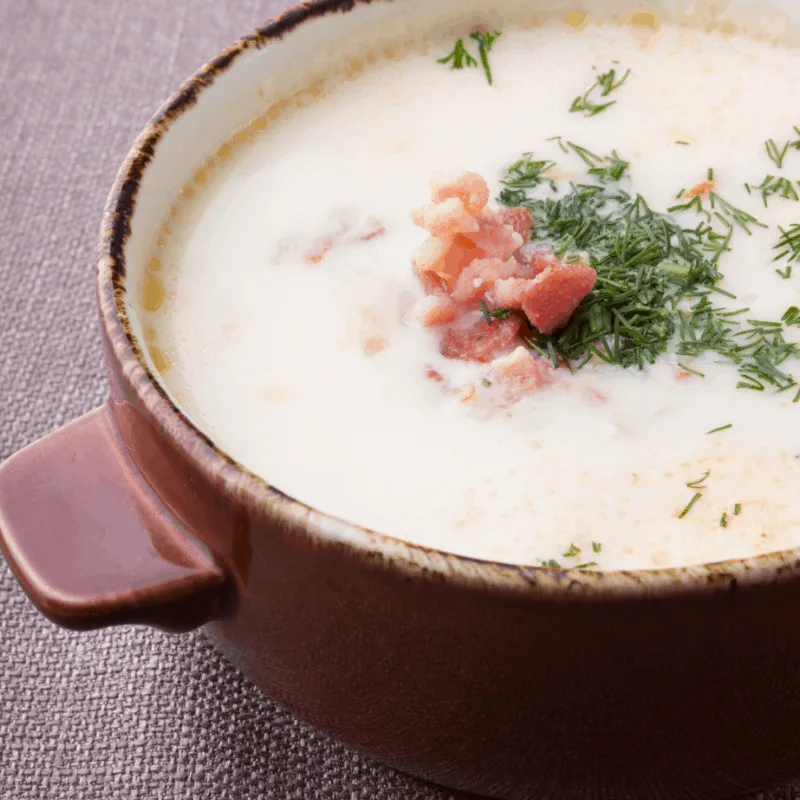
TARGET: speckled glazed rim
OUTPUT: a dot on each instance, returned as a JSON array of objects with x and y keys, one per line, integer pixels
[{"x": 239, "y": 482}]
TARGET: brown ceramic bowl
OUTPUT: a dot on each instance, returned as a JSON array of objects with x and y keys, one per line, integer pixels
[{"x": 509, "y": 681}]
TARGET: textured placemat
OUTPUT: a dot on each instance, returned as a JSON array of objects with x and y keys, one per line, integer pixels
[{"x": 126, "y": 713}]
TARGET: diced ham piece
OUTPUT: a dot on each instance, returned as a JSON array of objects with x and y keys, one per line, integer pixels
[
  {"x": 468, "y": 187},
  {"x": 556, "y": 293},
  {"x": 474, "y": 339},
  {"x": 479, "y": 277},
  {"x": 435, "y": 310},
  {"x": 509, "y": 292},
  {"x": 519, "y": 219},
  {"x": 446, "y": 219},
  {"x": 495, "y": 238},
  {"x": 519, "y": 373},
  {"x": 474, "y": 255},
  {"x": 534, "y": 260}
]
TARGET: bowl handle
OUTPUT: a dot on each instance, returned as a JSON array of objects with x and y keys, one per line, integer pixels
[{"x": 91, "y": 542}]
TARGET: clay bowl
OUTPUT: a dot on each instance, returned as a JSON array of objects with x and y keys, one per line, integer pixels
[{"x": 508, "y": 681}]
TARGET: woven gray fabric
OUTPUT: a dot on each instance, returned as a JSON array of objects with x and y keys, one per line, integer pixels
[{"x": 127, "y": 713}]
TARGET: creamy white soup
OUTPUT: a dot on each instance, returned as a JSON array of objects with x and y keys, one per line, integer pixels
[{"x": 282, "y": 305}]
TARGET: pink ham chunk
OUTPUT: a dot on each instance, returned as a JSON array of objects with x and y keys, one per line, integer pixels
[
  {"x": 435, "y": 310},
  {"x": 519, "y": 373},
  {"x": 476, "y": 255},
  {"x": 519, "y": 219},
  {"x": 494, "y": 238},
  {"x": 474, "y": 339},
  {"x": 479, "y": 277},
  {"x": 468, "y": 187},
  {"x": 556, "y": 293}
]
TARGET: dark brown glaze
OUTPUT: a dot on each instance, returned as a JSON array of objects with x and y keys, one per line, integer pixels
[{"x": 510, "y": 681}]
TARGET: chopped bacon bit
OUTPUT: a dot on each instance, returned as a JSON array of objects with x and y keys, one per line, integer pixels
[
  {"x": 474, "y": 339},
  {"x": 468, "y": 187},
  {"x": 434, "y": 375},
  {"x": 323, "y": 244},
  {"x": 479, "y": 277},
  {"x": 468, "y": 395},
  {"x": 374, "y": 345},
  {"x": 321, "y": 247},
  {"x": 556, "y": 293},
  {"x": 533, "y": 260},
  {"x": 476, "y": 254},
  {"x": 435, "y": 310},
  {"x": 510, "y": 292},
  {"x": 446, "y": 219},
  {"x": 375, "y": 230},
  {"x": 519, "y": 373},
  {"x": 594, "y": 396},
  {"x": 494, "y": 237},
  {"x": 701, "y": 190},
  {"x": 519, "y": 218}
]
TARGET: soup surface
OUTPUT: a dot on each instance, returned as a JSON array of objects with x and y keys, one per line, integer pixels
[{"x": 279, "y": 301}]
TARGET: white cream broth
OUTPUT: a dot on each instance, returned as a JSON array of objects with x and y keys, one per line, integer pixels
[{"x": 266, "y": 351}]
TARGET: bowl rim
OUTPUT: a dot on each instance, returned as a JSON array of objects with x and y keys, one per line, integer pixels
[{"x": 222, "y": 470}]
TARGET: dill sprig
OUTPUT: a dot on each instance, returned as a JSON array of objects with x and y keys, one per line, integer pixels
[
  {"x": 788, "y": 244},
  {"x": 656, "y": 277},
  {"x": 528, "y": 173},
  {"x": 460, "y": 57},
  {"x": 606, "y": 83},
  {"x": 773, "y": 186},
  {"x": 775, "y": 153},
  {"x": 485, "y": 42},
  {"x": 778, "y": 154},
  {"x": 721, "y": 428},
  {"x": 690, "y": 505}
]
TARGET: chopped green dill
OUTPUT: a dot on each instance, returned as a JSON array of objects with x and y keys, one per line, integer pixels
[
  {"x": 597, "y": 547},
  {"x": 573, "y": 551},
  {"x": 678, "y": 141},
  {"x": 788, "y": 244},
  {"x": 560, "y": 140},
  {"x": 486, "y": 383},
  {"x": 656, "y": 275},
  {"x": 605, "y": 83},
  {"x": 721, "y": 428},
  {"x": 489, "y": 316},
  {"x": 723, "y": 520},
  {"x": 460, "y": 57},
  {"x": 797, "y": 397},
  {"x": 528, "y": 174},
  {"x": 552, "y": 563},
  {"x": 586, "y": 565},
  {"x": 772, "y": 186},
  {"x": 792, "y": 316},
  {"x": 719, "y": 208},
  {"x": 485, "y": 42},
  {"x": 776, "y": 154},
  {"x": 785, "y": 273},
  {"x": 690, "y": 370},
  {"x": 737, "y": 509},
  {"x": 698, "y": 483},
  {"x": 697, "y": 496}
]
